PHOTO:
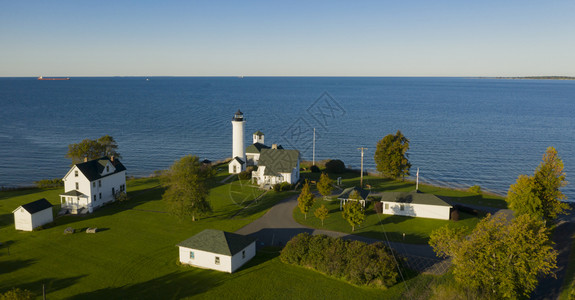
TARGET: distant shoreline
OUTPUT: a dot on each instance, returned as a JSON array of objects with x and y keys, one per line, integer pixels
[{"x": 534, "y": 77}]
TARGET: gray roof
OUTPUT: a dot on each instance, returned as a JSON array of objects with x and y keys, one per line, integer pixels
[
  {"x": 345, "y": 194},
  {"x": 241, "y": 161},
  {"x": 256, "y": 148},
  {"x": 414, "y": 197},
  {"x": 93, "y": 168},
  {"x": 278, "y": 161},
  {"x": 258, "y": 133},
  {"x": 36, "y": 206},
  {"x": 73, "y": 193},
  {"x": 217, "y": 241}
]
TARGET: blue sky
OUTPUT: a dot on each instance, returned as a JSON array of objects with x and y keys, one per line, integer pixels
[{"x": 291, "y": 38}]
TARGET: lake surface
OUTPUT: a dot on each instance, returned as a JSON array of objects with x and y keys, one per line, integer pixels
[{"x": 462, "y": 131}]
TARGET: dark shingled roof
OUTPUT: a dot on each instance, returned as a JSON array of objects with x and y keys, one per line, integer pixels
[
  {"x": 36, "y": 206},
  {"x": 278, "y": 161},
  {"x": 414, "y": 197},
  {"x": 347, "y": 192},
  {"x": 241, "y": 161},
  {"x": 217, "y": 241},
  {"x": 93, "y": 168},
  {"x": 256, "y": 148},
  {"x": 73, "y": 193},
  {"x": 258, "y": 133}
]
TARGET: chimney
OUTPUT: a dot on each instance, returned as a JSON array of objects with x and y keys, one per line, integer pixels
[
  {"x": 112, "y": 158},
  {"x": 85, "y": 158},
  {"x": 274, "y": 146}
]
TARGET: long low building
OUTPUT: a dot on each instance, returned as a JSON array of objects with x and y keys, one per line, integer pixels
[{"x": 415, "y": 204}]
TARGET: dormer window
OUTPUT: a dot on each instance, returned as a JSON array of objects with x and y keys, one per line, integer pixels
[
  {"x": 107, "y": 169},
  {"x": 76, "y": 173}
]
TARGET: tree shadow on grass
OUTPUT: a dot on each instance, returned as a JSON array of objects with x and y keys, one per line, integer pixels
[
  {"x": 6, "y": 220},
  {"x": 51, "y": 285},
  {"x": 13, "y": 265},
  {"x": 175, "y": 285}
]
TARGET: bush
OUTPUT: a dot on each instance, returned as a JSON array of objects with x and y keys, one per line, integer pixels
[
  {"x": 354, "y": 261},
  {"x": 314, "y": 169},
  {"x": 277, "y": 187},
  {"x": 335, "y": 166},
  {"x": 121, "y": 196},
  {"x": 284, "y": 186},
  {"x": 378, "y": 207},
  {"x": 475, "y": 189},
  {"x": 17, "y": 294},
  {"x": 49, "y": 183}
]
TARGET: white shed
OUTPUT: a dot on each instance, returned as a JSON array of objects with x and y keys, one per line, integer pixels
[
  {"x": 217, "y": 250},
  {"x": 32, "y": 215},
  {"x": 415, "y": 204}
]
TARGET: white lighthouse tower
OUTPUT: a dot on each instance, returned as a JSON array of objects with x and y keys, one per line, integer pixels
[{"x": 238, "y": 162}]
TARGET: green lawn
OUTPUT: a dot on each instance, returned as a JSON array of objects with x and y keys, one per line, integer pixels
[{"x": 388, "y": 227}]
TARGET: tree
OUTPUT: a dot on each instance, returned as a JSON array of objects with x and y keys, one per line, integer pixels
[
  {"x": 17, "y": 294},
  {"x": 187, "y": 188},
  {"x": 321, "y": 213},
  {"x": 92, "y": 149},
  {"x": 334, "y": 166},
  {"x": 391, "y": 157},
  {"x": 325, "y": 185},
  {"x": 499, "y": 258},
  {"x": 305, "y": 199},
  {"x": 353, "y": 213},
  {"x": 540, "y": 195}
]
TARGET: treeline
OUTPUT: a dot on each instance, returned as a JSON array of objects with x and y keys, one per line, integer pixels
[{"x": 356, "y": 262}]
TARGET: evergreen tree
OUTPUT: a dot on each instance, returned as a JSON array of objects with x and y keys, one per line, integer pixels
[
  {"x": 500, "y": 259},
  {"x": 187, "y": 188},
  {"x": 321, "y": 213},
  {"x": 391, "y": 157},
  {"x": 353, "y": 213},
  {"x": 325, "y": 185},
  {"x": 540, "y": 195},
  {"x": 305, "y": 199}
]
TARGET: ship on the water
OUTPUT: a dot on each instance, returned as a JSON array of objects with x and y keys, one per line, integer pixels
[{"x": 53, "y": 78}]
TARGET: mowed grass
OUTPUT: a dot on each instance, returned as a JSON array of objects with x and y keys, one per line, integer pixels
[
  {"x": 135, "y": 257},
  {"x": 388, "y": 227}
]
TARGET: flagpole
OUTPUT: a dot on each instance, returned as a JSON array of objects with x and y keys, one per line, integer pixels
[
  {"x": 417, "y": 181},
  {"x": 313, "y": 159}
]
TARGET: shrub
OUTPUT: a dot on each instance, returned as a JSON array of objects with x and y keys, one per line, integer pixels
[
  {"x": 335, "y": 166},
  {"x": 121, "y": 196},
  {"x": 354, "y": 261},
  {"x": 284, "y": 186},
  {"x": 49, "y": 183},
  {"x": 314, "y": 169},
  {"x": 245, "y": 175},
  {"x": 277, "y": 187},
  {"x": 454, "y": 215},
  {"x": 378, "y": 207},
  {"x": 475, "y": 189},
  {"x": 17, "y": 294}
]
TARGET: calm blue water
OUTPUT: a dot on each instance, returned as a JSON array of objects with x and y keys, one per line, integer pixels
[{"x": 463, "y": 131}]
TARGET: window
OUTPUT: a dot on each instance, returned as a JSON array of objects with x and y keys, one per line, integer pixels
[
  {"x": 100, "y": 195},
  {"x": 107, "y": 169},
  {"x": 217, "y": 260},
  {"x": 113, "y": 191},
  {"x": 99, "y": 183},
  {"x": 94, "y": 184},
  {"x": 95, "y": 198},
  {"x": 401, "y": 207},
  {"x": 76, "y": 173},
  {"x": 77, "y": 186},
  {"x": 386, "y": 205},
  {"x": 191, "y": 254},
  {"x": 244, "y": 254}
]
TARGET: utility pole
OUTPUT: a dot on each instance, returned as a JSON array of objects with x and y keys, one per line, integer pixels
[
  {"x": 313, "y": 155},
  {"x": 361, "y": 177}
]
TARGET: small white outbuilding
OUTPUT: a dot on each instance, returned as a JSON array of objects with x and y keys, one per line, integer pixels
[
  {"x": 217, "y": 250},
  {"x": 32, "y": 215},
  {"x": 415, "y": 204}
]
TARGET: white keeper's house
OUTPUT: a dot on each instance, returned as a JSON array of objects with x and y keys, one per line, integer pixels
[
  {"x": 33, "y": 214},
  {"x": 415, "y": 204},
  {"x": 217, "y": 250},
  {"x": 91, "y": 184},
  {"x": 277, "y": 165}
]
